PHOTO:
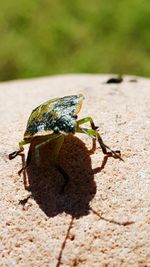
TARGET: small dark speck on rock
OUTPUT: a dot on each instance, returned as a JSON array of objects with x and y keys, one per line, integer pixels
[{"x": 115, "y": 80}]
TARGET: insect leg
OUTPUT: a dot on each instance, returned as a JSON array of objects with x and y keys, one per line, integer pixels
[
  {"x": 94, "y": 134},
  {"x": 46, "y": 140},
  {"x": 56, "y": 151},
  {"x": 87, "y": 119},
  {"x": 16, "y": 153},
  {"x": 54, "y": 156},
  {"x": 28, "y": 161},
  {"x": 57, "y": 148}
]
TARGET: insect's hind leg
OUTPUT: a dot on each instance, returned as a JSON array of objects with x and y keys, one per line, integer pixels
[
  {"x": 18, "y": 152},
  {"x": 88, "y": 119},
  {"x": 94, "y": 134}
]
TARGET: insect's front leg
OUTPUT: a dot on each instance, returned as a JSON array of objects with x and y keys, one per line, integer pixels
[
  {"x": 18, "y": 152},
  {"x": 28, "y": 161},
  {"x": 54, "y": 158},
  {"x": 35, "y": 145},
  {"x": 59, "y": 141}
]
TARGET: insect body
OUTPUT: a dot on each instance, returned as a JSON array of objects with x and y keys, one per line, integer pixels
[{"x": 53, "y": 120}]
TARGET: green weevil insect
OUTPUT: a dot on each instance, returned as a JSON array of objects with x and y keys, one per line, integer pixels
[{"x": 53, "y": 120}]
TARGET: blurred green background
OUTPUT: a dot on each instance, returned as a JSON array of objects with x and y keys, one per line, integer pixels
[{"x": 43, "y": 37}]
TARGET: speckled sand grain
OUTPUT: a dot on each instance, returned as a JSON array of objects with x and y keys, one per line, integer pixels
[{"x": 89, "y": 224}]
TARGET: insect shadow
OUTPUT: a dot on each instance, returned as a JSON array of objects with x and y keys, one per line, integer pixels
[{"x": 45, "y": 181}]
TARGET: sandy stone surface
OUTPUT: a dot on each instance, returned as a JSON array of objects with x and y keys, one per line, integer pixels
[{"x": 102, "y": 217}]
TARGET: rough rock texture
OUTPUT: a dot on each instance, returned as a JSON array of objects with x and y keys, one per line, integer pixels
[{"x": 101, "y": 219}]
